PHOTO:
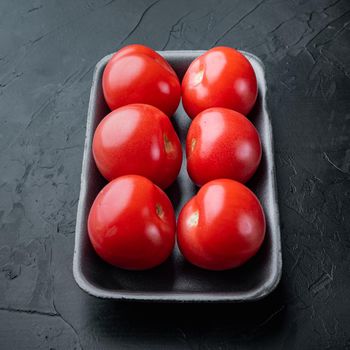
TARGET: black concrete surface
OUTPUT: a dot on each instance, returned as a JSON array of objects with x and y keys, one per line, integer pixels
[{"x": 48, "y": 50}]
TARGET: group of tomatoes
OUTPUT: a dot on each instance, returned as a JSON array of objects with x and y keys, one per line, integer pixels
[{"x": 132, "y": 223}]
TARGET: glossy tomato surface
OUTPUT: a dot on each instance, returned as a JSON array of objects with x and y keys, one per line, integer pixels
[
  {"x": 222, "y": 143},
  {"x": 138, "y": 139},
  {"x": 222, "y": 77},
  {"x": 221, "y": 227},
  {"x": 137, "y": 74},
  {"x": 131, "y": 224}
]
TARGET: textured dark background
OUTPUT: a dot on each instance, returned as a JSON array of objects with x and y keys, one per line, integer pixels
[{"x": 48, "y": 50}]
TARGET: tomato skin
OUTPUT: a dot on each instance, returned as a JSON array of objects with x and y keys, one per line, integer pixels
[
  {"x": 137, "y": 139},
  {"x": 131, "y": 224},
  {"x": 222, "y": 77},
  {"x": 222, "y": 143},
  {"x": 221, "y": 227},
  {"x": 137, "y": 74}
]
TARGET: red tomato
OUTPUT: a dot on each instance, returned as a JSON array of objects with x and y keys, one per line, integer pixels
[
  {"x": 137, "y": 74},
  {"x": 132, "y": 224},
  {"x": 222, "y": 143},
  {"x": 222, "y": 226},
  {"x": 138, "y": 139},
  {"x": 222, "y": 77}
]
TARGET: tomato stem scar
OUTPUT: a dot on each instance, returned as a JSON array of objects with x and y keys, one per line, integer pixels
[
  {"x": 193, "y": 219},
  {"x": 193, "y": 144},
  {"x": 198, "y": 77},
  {"x": 168, "y": 146},
  {"x": 159, "y": 210}
]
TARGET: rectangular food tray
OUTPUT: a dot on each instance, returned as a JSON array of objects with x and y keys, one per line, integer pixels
[{"x": 176, "y": 280}]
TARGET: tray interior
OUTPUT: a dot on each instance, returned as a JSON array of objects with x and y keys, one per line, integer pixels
[{"x": 177, "y": 280}]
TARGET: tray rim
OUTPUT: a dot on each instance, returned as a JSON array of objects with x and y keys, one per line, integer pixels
[{"x": 265, "y": 289}]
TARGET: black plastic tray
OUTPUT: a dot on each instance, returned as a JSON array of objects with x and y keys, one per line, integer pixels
[{"x": 176, "y": 280}]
